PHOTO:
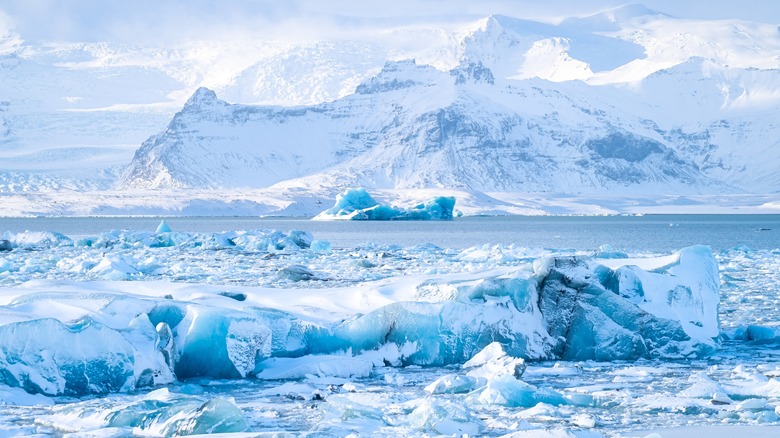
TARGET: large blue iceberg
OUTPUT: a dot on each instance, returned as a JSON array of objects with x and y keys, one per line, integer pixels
[
  {"x": 98, "y": 340},
  {"x": 357, "y": 204}
]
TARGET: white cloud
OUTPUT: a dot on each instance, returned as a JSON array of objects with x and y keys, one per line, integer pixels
[{"x": 161, "y": 22}]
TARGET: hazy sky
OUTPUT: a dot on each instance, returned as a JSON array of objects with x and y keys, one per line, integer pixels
[{"x": 163, "y": 21}]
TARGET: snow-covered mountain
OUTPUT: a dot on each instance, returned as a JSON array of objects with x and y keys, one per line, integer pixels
[
  {"x": 415, "y": 126},
  {"x": 530, "y": 107},
  {"x": 626, "y": 101}
]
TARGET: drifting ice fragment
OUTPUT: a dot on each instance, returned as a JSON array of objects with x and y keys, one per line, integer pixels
[
  {"x": 357, "y": 204},
  {"x": 453, "y": 384},
  {"x": 37, "y": 239},
  {"x": 322, "y": 246},
  {"x": 510, "y": 392},
  {"x": 163, "y": 227},
  {"x": 493, "y": 362},
  {"x": 444, "y": 418},
  {"x": 114, "y": 268},
  {"x": 161, "y": 413}
]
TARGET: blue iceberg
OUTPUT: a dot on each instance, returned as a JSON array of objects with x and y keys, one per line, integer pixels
[
  {"x": 357, "y": 204},
  {"x": 564, "y": 307}
]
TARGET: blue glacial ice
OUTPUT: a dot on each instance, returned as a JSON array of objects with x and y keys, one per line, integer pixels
[
  {"x": 114, "y": 336},
  {"x": 160, "y": 413},
  {"x": 357, "y": 204},
  {"x": 594, "y": 312}
]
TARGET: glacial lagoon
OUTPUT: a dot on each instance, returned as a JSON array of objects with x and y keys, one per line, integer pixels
[{"x": 380, "y": 393}]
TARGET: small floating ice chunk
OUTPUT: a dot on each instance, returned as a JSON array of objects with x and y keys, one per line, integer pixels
[
  {"x": 163, "y": 227},
  {"x": 444, "y": 418},
  {"x": 294, "y": 391},
  {"x": 583, "y": 420},
  {"x": 511, "y": 392},
  {"x": 161, "y": 413},
  {"x": 357, "y": 204},
  {"x": 493, "y": 362},
  {"x": 322, "y": 246},
  {"x": 751, "y": 404},
  {"x": 37, "y": 239},
  {"x": 721, "y": 398},
  {"x": 607, "y": 252},
  {"x": 343, "y": 408},
  {"x": 452, "y": 384},
  {"x": 298, "y": 273},
  {"x": 114, "y": 268}
]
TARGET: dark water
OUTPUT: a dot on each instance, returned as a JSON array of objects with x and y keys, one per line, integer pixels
[{"x": 630, "y": 233}]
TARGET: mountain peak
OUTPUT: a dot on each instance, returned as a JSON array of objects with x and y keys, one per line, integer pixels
[
  {"x": 202, "y": 96},
  {"x": 397, "y": 75},
  {"x": 610, "y": 19},
  {"x": 627, "y": 12}
]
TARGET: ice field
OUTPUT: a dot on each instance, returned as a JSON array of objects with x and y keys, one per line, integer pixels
[{"x": 169, "y": 332}]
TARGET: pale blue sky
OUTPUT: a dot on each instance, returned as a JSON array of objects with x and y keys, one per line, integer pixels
[{"x": 163, "y": 21}]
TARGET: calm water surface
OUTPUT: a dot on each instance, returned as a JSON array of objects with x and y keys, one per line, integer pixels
[{"x": 631, "y": 233}]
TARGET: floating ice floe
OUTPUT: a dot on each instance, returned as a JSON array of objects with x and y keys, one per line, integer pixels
[
  {"x": 357, "y": 204},
  {"x": 33, "y": 239},
  {"x": 158, "y": 413},
  {"x": 117, "y": 336}
]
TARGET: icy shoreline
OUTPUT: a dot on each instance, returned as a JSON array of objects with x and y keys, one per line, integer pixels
[
  {"x": 284, "y": 203},
  {"x": 565, "y": 307},
  {"x": 310, "y": 324}
]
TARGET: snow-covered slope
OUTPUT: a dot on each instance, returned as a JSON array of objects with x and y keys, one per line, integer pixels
[{"x": 414, "y": 126}]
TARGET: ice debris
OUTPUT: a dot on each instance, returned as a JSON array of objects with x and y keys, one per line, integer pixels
[
  {"x": 163, "y": 227},
  {"x": 574, "y": 308},
  {"x": 357, "y": 204},
  {"x": 33, "y": 240},
  {"x": 163, "y": 413}
]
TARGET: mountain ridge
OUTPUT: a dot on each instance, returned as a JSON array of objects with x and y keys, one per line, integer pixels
[{"x": 623, "y": 101}]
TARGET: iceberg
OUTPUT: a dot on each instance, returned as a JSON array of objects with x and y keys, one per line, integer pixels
[
  {"x": 596, "y": 313},
  {"x": 163, "y": 227},
  {"x": 44, "y": 356},
  {"x": 357, "y": 204},
  {"x": 114, "y": 336}
]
